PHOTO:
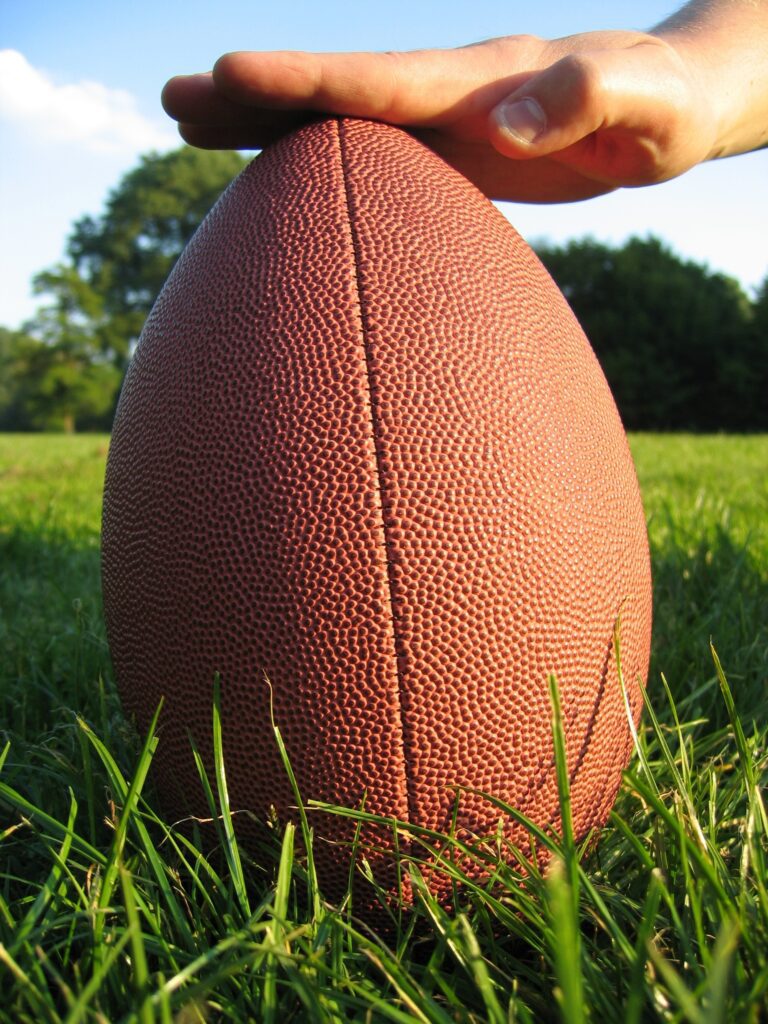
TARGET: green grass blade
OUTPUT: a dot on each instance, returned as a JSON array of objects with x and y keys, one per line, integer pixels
[
  {"x": 562, "y": 882},
  {"x": 138, "y": 949},
  {"x": 231, "y": 848},
  {"x": 726, "y": 945},
  {"x": 423, "y": 1009},
  {"x": 478, "y": 969},
  {"x": 48, "y": 824},
  {"x": 90, "y": 792},
  {"x": 306, "y": 831},
  {"x": 276, "y": 931},
  {"x": 284, "y": 874},
  {"x": 638, "y": 745},
  {"x": 742, "y": 746},
  {"x": 81, "y": 1010},
  {"x": 637, "y": 987},
  {"x": 49, "y": 887},
  {"x": 563, "y": 786},
  {"x": 28, "y": 990},
  {"x": 565, "y": 944},
  {"x": 130, "y": 795},
  {"x": 670, "y": 906},
  {"x": 685, "y": 999}
]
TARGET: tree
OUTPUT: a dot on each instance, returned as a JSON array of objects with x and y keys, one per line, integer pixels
[
  {"x": 11, "y": 342},
  {"x": 53, "y": 386},
  {"x": 117, "y": 262},
  {"x": 760, "y": 319},
  {"x": 64, "y": 368},
  {"x": 674, "y": 339},
  {"x": 759, "y": 353},
  {"x": 682, "y": 347},
  {"x": 60, "y": 389}
]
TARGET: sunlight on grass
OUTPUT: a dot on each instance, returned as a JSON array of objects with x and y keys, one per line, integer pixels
[
  {"x": 52, "y": 483},
  {"x": 110, "y": 912}
]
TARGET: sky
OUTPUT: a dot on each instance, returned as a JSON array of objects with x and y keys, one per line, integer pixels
[{"x": 80, "y": 83}]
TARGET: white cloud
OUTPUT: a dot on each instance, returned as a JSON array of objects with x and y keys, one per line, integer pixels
[{"x": 90, "y": 114}]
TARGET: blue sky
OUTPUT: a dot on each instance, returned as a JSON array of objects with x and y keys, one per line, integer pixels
[{"x": 79, "y": 101}]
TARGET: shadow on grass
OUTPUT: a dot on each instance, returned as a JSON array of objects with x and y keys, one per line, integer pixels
[
  {"x": 55, "y": 661},
  {"x": 49, "y": 587},
  {"x": 710, "y": 589},
  {"x": 705, "y": 588}
]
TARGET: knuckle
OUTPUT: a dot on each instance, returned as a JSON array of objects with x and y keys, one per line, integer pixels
[
  {"x": 505, "y": 46},
  {"x": 388, "y": 92},
  {"x": 583, "y": 77}
]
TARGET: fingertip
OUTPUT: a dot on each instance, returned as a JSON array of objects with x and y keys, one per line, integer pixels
[
  {"x": 182, "y": 90},
  {"x": 518, "y": 125},
  {"x": 169, "y": 93},
  {"x": 226, "y": 70}
]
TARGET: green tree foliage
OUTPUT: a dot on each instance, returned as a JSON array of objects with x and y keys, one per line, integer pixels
[
  {"x": 683, "y": 348},
  {"x": 10, "y": 343},
  {"x": 679, "y": 344},
  {"x": 120, "y": 260},
  {"x": 53, "y": 386},
  {"x": 64, "y": 369},
  {"x": 760, "y": 310}
]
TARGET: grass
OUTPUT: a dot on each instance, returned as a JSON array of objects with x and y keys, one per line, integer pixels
[{"x": 109, "y": 913}]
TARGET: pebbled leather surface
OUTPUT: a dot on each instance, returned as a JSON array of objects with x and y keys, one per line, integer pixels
[{"x": 364, "y": 451}]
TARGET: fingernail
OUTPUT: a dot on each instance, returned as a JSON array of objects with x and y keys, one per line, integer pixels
[{"x": 522, "y": 118}]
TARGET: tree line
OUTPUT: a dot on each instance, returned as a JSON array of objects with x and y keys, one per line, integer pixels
[{"x": 683, "y": 348}]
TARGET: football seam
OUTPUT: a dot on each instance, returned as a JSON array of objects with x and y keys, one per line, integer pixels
[{"x": 378, "y": 458}]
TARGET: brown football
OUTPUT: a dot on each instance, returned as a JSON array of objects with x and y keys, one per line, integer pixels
[{"x": 365, "y": 464}]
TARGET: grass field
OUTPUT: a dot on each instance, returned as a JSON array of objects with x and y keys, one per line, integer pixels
[{"x": 108, "y": 914}]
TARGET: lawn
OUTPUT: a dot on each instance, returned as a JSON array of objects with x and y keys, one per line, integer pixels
[{"x": 108, "y": 913}]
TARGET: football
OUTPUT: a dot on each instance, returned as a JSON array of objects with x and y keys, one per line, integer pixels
[{"x": 367, "y": 472}]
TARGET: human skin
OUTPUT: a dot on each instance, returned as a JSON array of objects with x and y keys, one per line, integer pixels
[{"x": 524, "y": 118}]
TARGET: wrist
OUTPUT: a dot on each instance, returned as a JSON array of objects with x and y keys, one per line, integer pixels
[
  {"x": 722, "y": 44},
  {"x": 714, "y": 103}
]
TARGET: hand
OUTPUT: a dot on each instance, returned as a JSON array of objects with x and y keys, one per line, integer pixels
[{"x": 524, "y": 118}]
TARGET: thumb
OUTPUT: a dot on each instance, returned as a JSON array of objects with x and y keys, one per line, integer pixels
[{"x": 554, "y": 109}]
